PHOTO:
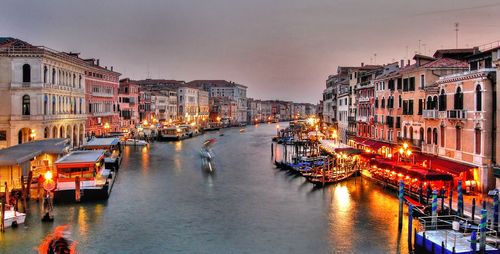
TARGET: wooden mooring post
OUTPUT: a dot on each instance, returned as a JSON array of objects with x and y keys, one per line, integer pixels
[{"x": 401, "y": 197}]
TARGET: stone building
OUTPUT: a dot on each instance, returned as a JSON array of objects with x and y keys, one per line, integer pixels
[{"x": 44, "y": 94}]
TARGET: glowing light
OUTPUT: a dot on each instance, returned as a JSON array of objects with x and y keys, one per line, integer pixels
[
  {"x": 32, "y": 134},
  {"x": 277, "y": 126},
  {"x": 48, "y": 175},
  {"x": 106, "y": 126},
  {"x": 145, "y": 122},
  {"x": 408, "y": 153},
  {"x": 405, "y": 145},
  {"x": 401, "y": 151}
]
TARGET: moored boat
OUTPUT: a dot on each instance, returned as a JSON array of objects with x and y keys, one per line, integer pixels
[
  {"x": 13, "y": 218},
  {"x": 82, "y": 176},
  {"x": 173, "y": 133},
  {"x": 135, "y": 142}
]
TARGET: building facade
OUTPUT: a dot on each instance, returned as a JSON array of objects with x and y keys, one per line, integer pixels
[
  {"x": 128, "y": 101},
  {"x": 44, "y": 94}
]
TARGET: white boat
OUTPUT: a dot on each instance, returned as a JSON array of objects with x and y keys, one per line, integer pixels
[
  {"x": 135, "y": 142},
  {"x": 174, "y": 133},
  {"x": 12, "y": 216}
]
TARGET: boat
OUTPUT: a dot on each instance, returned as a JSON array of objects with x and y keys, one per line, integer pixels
[
  {"x": 242, "y": 130},
  {"x": 135, "y": 142},
  {"x": 13, "y": 218},
  {"x": 82, "y": 176},
  {"x": 113, "y": 155},
  {"x": 207, "y": 157},
  {"x": 174, "y": 133},
  {"x": 212, "y": 127}
]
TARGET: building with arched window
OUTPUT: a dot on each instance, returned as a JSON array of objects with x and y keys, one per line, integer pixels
[{"x": 39, "y": 93}]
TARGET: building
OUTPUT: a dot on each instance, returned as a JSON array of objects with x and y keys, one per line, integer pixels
[
  {"x": 228, "y": 89},
  {"x": 203, "y": 107},
  {"x": 223, "y": 110},
  {"x": 101, "y": 93},
  {"x": 128, "y": 101},
  {"x": 187, "y": 100},
  {"x": 164, "y": 105},
  {"x": 44, "y": 94}
]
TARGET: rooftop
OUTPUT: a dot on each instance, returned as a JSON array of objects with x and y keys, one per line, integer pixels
[
  {"x": 81, "y": 157},
  {"x": 24, "y": 152},
  {"x": 105, "y": 142}
]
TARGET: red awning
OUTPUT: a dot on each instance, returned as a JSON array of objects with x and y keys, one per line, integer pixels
[
  {"x": 444, "y": 165},
  {"x": 421, "y": 173},
  {"x": 375, "y": 145}
]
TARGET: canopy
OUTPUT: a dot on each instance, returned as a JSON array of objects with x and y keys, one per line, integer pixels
[
  {"x": 444, "y": 165},
  {"x": 24, "y": 152},
  {"x": 413, "y": 170}
]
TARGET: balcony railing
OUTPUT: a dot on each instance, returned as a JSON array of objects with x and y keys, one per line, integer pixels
[
  {"x": 412, "y": 142},
  {"x": 351, "y": 119},
  {"x": 99, "y": 94},
  {"x": 430, "y": 148},
  {"x": 456, "y": 114},
  {"x": 430, "y": 114}
]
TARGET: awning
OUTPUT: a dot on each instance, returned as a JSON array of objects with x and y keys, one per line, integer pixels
[
  {"x": 348, "y": 151},
  {"x": 375, "y": 145},
  {"x": 420, "y": 173},
  {"x": 444, "y": 165}
]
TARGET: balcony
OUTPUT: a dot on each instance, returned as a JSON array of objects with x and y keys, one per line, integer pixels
[
  {"x": 103, "y": 114},
  {"x": 48, "y": 117},
  {"x": 351, "y": 119},
  {"x": 430, "y": 149},
  {"x": 416, "y": 143},
  {"x": 430, "y": 114},
  {"x": 363, "y": 99},
  {"x": 456, "y": 114},
  {"x": 362, "y": 119},
  {"x": 99, "y": 94}
]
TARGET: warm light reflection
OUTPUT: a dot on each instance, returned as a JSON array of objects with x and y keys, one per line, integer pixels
[{"x": 83, "y": 221}]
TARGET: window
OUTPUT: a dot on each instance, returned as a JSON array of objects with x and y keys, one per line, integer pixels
[
  {"x": 45, "y": 73},
  {"x": 422, "y": 81},
  {"x": 382, "y": 104},
  {"x": 442, "y": 136},
  {"x": 45, "y": 104},
  {"x": 435, "y": 136},
  {"x": 429, "y": 136},
  {"x": 3, "y": 135},
  {"x": 53, "y": 104},
  {"x": 458, "y": 138},
  {"x": 420, "y": 106},
  {"x": 479, "y": 99},
  {"x": 53, "y": 76},
  {"x": 442, "y": 101},
  {"x": 405, "y": 85},
  {"x": 411, "y": 86},
  {"x": 26, "y": 105},
  {"x": 26, "y": 73},
  {"x": 400, "y": 101},
  {"x": 400, "y": 83},
  {"x": 459, "y": 99},
  {"x": 46, "y": 132},
  {"x": 435, "y": 102},
  {"x": 477, "y": 134}
]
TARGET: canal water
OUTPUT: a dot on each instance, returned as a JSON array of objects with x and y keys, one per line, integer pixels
[{"x": 162, "y": 202}]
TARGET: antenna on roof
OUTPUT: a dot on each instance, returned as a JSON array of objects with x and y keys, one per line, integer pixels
[{"x": 456, "y": 34}]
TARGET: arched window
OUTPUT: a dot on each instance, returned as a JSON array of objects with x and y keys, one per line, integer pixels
[
  {"x": 411, "y": 132},
  {"x": 45, "y": 104},
  {"x": 53, "y": 76},
  {"x": 459, "y": 99},
  {"x": 477, "y": 134},
  {"x": 26, "y": 105},
  {"x": 435, "y": 102},
  {"x": 74, "y": 80},
  {"x": 435, "y": 136},
  {"x": 80, "y": 81},
  {"x": 45, "y": 74},
  {"x": 26, "y": 73},
  {"x": 74, "y": 106},
  {"x": 479, "y": 98},
  {"x": 442, "y": 136},
  {"x": 429, "y": 136},
  {"x": 405, "y": 132},
  {"x": 442, "y": 101},
  {"x": 46, "y": 132},
  {"x": 429, "y": 103},
  {"x": 80, "y": 107},
  {"x": 54, "y": 105}
]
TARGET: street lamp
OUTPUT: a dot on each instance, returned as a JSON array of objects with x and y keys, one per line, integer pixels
[{"x": 405, "y": 151}]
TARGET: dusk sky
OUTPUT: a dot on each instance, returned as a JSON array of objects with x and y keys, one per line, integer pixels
[{"x": 280, "y": 49}]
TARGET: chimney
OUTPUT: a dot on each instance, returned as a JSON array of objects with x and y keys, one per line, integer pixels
[
  {"x": 362, "y": 64},
  {"x": 402, "y": 63},
  {"x": 97, "y": 62},
  {"x": 408, "y": 62},
  {"x": 111, "y": 68}
]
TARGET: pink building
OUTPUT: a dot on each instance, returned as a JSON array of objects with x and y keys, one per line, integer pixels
[
  {"x": 101, "y": 94},
  {"x": 128, "y": 99}
]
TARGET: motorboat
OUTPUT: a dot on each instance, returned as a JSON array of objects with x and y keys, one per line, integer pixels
[
  {"x": 82, "y": 176},
  {"x": 135, "y": 142},
  {"x": 13, "y": 218}
]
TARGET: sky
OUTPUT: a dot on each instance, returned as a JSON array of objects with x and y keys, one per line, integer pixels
[{"x": 280, "y": 49}]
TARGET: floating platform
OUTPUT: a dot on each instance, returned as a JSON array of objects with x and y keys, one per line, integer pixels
[{"x": 434, "y": 239}]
